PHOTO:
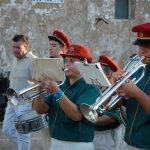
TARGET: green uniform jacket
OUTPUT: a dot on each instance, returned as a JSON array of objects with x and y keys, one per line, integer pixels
[
  {"x": 65, "y": 129},
  {"x": 137, "y": 120}
]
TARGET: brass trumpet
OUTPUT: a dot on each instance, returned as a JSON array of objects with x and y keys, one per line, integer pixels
[
  {"x": 29, "y": 93},
  {"x": 101, "y": 105},
  {"x": 24, "y": 94}
]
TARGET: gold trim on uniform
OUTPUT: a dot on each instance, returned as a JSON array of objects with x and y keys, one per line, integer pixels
[
  {"x": 141, "y": 34},
  {"x": 144, "y": 38}
]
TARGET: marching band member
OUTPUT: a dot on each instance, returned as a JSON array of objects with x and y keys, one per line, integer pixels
[
  {"x": 68, "y": 129},
  {"x": 58, "y": 42},
  {"x": 137, "y": 133},
  {"x": 107, "y": 123},
  {"x": 20, "y": 74}
]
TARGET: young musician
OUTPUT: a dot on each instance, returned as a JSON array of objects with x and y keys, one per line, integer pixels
[
  {"x": 137, "y": 133},
  {"x": 58, "y": 43},
  {"x": 68, "y": 128},
  {"x": 106, "y": 125}
]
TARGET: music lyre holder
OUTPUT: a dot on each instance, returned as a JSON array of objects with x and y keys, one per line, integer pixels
[{"x": 92, "y": 74}]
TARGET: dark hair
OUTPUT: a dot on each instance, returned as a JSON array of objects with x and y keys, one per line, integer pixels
[
  {"x": 20, "y": 37},
  {"x": 107, "y": 69}
]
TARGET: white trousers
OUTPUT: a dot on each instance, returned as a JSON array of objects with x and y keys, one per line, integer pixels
[
  {"x": 104, "y": 140},
  {"x": 110, "y": 139},
  {"x": 119, "y": 138},
  {"x": 66, "y": 145},
  {"x": 133, "y": 148},
  {"x": 45, "y": 137},
  {"x": 22, "y": 141}
]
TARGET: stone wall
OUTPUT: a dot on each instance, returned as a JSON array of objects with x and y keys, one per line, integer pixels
[{"x": 77, "y": 18}]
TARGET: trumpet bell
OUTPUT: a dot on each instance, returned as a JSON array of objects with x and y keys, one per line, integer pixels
[
  {"x": 29, "y": 93},
  {"x": 89, "y": 113},
  {"x": 12, "y": 96}
]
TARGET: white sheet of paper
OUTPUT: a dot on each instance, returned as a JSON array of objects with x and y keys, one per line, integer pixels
[
  {"x": 93, "y": 74},
  {"x": 52, "y": 67}
]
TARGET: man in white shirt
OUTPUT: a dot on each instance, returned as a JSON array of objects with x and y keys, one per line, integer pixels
[{"x": 20, "y": 74}]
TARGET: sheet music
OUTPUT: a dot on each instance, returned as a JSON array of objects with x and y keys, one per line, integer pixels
[
  {"x": 93, "y": 74},
  {"x": 52, "y": 67}
]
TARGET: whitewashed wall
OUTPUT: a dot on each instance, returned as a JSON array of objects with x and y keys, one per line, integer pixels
[{"x": 76, "y": 18}]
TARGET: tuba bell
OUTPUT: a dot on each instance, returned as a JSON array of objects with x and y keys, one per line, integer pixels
[{"x": 90, "y": 112}]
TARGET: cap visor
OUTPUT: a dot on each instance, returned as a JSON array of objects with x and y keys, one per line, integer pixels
[
  {"x": 70, "y": 55},
  {"x": 55, "y": 39},
  {"x": 109, "y": 61},
  {"x": 141, "y": 42}
]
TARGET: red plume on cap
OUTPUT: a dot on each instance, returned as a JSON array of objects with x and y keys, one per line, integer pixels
[
  {"x": 60, "y": 37},
  {"x": 105, "y": 59},
  {"x": 78, "y": 51}
]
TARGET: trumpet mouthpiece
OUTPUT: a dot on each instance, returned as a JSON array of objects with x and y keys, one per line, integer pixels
[
  {"x": 142, "y": 57},
  {"x": 65, "y": 69}
]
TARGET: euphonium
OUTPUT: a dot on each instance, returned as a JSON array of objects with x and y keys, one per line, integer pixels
[{"x": 102, "y": 104}]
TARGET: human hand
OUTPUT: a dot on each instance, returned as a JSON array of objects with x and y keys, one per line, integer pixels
[
  {"x": 116, "y": 75},
  {"x": 129, "y": 89},
  {"x": 48, "y": 84}
]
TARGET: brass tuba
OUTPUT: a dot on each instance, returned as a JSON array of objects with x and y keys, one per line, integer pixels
[{"x": 90, "y": 112}]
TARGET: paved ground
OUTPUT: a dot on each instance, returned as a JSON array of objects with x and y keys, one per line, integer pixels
[{"x": 5, "y": 144}]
